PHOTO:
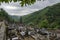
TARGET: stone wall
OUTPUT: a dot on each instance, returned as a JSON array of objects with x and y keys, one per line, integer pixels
[{"x": 2, "y": 31}]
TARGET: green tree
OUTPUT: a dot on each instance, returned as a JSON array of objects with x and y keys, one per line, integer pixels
[
  {"x": 22, "y": 2},
  {"x": 44, "y": 24}
]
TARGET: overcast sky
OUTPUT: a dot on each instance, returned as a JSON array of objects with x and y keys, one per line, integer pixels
[{"x": 15, "y": 8}]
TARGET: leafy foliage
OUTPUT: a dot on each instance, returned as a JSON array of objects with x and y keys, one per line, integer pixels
[
  {"x": 48, "y": 17},
  {"x": 22, "y": 2}
]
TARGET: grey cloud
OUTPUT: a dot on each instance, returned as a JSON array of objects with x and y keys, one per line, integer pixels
[{"x": 27, "y": 9}]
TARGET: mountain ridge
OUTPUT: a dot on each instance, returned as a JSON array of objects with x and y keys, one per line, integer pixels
[{"x": 48, "y": 16}]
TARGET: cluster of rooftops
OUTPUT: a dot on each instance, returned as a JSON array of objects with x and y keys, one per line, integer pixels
[{"x": 34, "y": 32}]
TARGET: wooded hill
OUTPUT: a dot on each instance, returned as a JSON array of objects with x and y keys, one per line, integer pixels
[
  {"x": 4, "y": 16},
  {"x": 48, "y": 17}
]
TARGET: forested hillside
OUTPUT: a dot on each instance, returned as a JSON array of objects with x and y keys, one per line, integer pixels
[
  {"x": 4, "y": 16},
  {"x": 48, "y": 17}
]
